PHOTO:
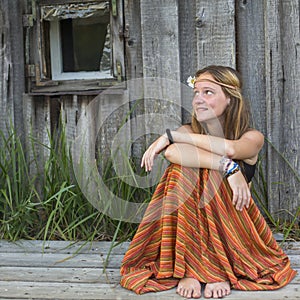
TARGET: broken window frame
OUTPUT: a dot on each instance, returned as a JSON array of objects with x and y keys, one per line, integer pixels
[{"x": 40, "y": 72}]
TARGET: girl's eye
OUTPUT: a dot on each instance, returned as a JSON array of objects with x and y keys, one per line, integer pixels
[
  {"x": 208, "y": 92},
  {"x": 196, "y": 93}
]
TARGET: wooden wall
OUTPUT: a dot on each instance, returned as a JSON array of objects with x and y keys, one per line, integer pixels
[{"x": 171, "y": 39}]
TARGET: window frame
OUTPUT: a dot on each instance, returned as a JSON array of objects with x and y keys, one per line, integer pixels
[
  {"x": 40, "y": 77},
  {"x": 56, "y": 60}
]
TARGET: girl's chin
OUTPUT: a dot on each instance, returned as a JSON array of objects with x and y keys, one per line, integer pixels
[{"x": 206, "y": 117}]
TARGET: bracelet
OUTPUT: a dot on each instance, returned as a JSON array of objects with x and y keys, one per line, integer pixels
[
  {"x": 169, "y": 135},
  {"x": 234, "y": 168},
  {"x": 228, "y": 167}
]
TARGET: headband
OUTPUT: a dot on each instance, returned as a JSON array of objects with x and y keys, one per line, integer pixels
[{"x": 216, "y": 82}]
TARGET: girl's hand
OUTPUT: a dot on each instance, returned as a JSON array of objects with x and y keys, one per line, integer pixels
[
  {"x": 240, "y": 189},
  {"x": 155, "y": 148}
]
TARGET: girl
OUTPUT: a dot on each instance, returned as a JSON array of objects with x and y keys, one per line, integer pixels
[{"x": 202, "y": 226}]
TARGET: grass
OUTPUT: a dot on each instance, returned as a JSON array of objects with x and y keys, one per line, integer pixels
[
  {"x": 45, "y": 202},
  {"x": 289, "y": 226}
]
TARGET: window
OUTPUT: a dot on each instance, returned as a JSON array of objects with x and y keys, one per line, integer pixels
[{"x": 79, "y": 41}]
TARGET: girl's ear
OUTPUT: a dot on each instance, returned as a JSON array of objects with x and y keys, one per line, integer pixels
[{"x": 228, "y": 101}]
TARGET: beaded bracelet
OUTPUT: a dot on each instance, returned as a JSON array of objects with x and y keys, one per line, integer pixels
[
  {"x": 228, "y": 167},
  {"x": 232, "y": 169}
]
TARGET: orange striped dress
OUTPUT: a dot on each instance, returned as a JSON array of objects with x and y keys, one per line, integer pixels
[{"x": 191, "y": 229}]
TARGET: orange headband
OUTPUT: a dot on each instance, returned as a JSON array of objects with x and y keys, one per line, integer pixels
[{"x": 216, "y": 82}]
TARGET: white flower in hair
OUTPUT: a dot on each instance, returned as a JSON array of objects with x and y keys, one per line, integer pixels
[{"x": 191, "y": 81}]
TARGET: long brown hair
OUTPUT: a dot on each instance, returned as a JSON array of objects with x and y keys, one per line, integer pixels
[{"x": 237, "y": 113}]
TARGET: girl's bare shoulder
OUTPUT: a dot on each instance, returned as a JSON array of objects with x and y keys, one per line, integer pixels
[{"x": 187, "y": 128}]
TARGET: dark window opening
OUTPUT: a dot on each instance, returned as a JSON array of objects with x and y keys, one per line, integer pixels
[{"x": 85, "y": 44}]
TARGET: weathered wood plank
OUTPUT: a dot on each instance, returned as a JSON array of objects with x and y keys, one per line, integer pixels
[
  {"x": 81, "y": 260},
  {"x": 94, "y": 247},
  {"x": 250, "y": 57},
  {"x": 33, "y": 275},
  {"x": 68, "y": 247},
  {"x": 133, "y": 42},
  {"x": 15, "y": 72},
  {"x": 160, "y": 49},
  {"x": 6, "y": 106},
  {"x": 40, "y": 290},
  {"x": 188, "y": 54},
  {"x": 38, "y": 246},
  {"x": 71, "y": 275},
  {"x": 290, "y": 127},
  {"x": 59, "y": 260},
  {"x": 134, "y": 69},
  {"x": 37, "y": 126},
  {"x": 282, "y": 97},
  {"x": 53, "y": 274},
  {"x": 215, "y": 27},
  {"x": 160, "y": 39}
]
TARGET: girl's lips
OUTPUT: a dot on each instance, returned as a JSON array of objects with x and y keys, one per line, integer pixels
[{"x": 202, "y": 108}]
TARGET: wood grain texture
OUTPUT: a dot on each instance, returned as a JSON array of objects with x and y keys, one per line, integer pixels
[
  {"x": 282, "y": 94},
  {"x": 215, "y": 27},
  {"x": 65, "y": 270},
  {"x": 250, "y": 57},
  {"x": 290, "y": 132}
]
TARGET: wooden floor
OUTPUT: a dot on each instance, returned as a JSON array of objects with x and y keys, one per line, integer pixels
[{"x": 60, "y": 270}]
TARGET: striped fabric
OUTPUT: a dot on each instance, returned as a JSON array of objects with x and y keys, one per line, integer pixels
[{"x": 191, "y": 229}]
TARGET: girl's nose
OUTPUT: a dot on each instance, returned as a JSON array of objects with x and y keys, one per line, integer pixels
[{"x": 198, "y": 99}]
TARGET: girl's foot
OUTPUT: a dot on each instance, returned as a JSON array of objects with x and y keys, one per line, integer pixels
[
  {"x": 189, "y": 288},
  {"x": 217, "y": 289}
]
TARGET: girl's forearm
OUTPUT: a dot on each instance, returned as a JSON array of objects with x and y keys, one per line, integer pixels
[
  {"x": 213, "y": 144},
  {"x": 191, "y": 156}
]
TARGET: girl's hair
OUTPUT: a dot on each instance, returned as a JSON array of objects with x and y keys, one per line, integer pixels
[{"x": 237, "y": 113}]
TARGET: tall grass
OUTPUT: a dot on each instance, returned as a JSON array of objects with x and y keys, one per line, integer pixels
[
  {"x": 289, "y": 226},
  {"x": 44, "y": 201},
  {"x": 18, "y": 206}
]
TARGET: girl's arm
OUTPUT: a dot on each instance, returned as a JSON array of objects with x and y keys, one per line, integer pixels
[
  {"x": 194, "y": 157},
  {"x": 246, "y": 148}
]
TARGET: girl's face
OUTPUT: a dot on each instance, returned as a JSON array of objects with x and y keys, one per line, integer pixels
[{"x": 209, "y": 102}]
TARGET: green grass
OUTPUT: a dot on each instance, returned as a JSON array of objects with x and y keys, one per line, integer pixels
[
  {"x": 45, "y": 202},
  {"x": 289, "y": 225}
]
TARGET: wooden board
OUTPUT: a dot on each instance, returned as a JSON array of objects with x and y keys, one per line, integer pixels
[
  {"x": 250, "y": 58},
  {"x": 282, "y": 114},
  {"x": 215, "y": 25},
  {"x": 161, "y": 65},
  {"x": 47, "y": 270}
]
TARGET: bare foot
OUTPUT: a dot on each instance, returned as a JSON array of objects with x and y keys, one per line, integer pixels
[
  {"x": 189, "y": 288},
  {"x": 217, "y": 289}
]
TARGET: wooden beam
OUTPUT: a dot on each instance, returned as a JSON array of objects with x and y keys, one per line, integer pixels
[
  {"x": 282, "y": 99},
  {"x": 160, "y": 49},
  {"x": 215, "y": 28}
]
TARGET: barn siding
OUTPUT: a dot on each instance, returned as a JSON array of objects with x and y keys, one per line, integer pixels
[
  {"x": 12, "y": 65},
  {"x": 171, "y": 39},
  {"x": 282, "y": 99},
  {"x": 215, "y": 28},
  {"x": 160, "y": 52},
  {"x": 290, "y": 132}
]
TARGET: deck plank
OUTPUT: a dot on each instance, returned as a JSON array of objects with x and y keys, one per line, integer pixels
[
  {"x": 42, "y": 290},
  {"x": 50, "y": 274},
  {"x": 80, "y": 260},
  {"x": 25, "y": 246},
  {"x": 62, "y": 270}
]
